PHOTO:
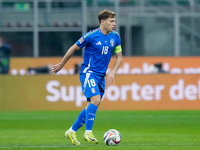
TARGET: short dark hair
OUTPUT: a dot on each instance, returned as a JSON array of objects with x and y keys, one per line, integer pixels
[{"x": 105, "y": 14}]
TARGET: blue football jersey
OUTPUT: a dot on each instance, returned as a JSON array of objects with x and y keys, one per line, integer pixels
[{"x": 98, "y": 50}]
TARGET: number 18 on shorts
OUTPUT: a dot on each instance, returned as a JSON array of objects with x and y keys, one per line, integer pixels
[{"x": 92, "y": 84}]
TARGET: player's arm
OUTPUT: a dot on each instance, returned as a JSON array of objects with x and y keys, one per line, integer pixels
[
  {"x": 111, "y": 74},
  {"x": 67, "y": 56}
]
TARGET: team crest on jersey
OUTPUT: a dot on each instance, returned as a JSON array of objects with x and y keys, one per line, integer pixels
[
  {"x": 112, "y": 42},
  {"x": 93, "y": 90},
  {"x": 81, "y": 40}
]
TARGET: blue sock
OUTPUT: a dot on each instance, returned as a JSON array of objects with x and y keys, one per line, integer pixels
[
  {"x": 80, "y": 121},
  {"x": 90, "y": 116}
]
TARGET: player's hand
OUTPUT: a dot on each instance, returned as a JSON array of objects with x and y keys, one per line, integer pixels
[
  {"x": 56, "y": 68},
  {"x": 110, "y": 78}
]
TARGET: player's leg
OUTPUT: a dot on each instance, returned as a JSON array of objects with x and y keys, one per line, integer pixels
[
  {"x": 90, "y": 88},
  {"x": 95, "y": 100},
  {"x": 90, "y": 117},
  {"x": 71, "y": 133},
  {"x": 80, "y": 121}
]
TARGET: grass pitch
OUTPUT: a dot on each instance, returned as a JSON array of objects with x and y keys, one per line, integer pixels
[{"x": 140, "y": 130}]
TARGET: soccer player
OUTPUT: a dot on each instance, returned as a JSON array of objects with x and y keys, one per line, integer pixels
[{"x": 99, "y": 45}]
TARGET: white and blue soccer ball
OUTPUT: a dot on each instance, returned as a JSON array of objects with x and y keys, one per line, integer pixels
[{"x": 112, "y": 137}]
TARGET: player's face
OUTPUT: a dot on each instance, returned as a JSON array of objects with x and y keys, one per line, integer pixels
[{"x": 109, "y": 24}]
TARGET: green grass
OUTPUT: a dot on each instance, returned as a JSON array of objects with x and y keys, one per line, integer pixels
[{"x": 140, "y": 130}]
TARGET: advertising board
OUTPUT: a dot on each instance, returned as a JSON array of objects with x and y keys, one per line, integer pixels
[{"x": 130, "y": 92}]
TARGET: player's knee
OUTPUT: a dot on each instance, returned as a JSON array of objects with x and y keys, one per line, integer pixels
[{"x": 96, "y": 100}]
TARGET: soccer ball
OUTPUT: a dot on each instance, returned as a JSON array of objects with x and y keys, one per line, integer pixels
[{"x": 112, "y": 137}]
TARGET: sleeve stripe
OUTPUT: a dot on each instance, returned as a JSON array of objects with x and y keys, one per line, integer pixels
[{"x": 118, "y": 49}]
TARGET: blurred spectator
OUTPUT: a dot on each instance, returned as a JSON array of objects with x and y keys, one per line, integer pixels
[
  {"x": 5, "y": 51},
  {"x": 156, "y": 68}
]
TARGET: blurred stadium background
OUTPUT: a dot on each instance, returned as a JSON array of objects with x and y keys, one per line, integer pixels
[
  {"x": 36, "y": 28},
  {"x": 166, "y": 32}
]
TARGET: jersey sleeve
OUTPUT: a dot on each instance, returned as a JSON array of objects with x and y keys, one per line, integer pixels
[
  {"x": 118, "y": 47},
  {"x": 84, "y": 40}
]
